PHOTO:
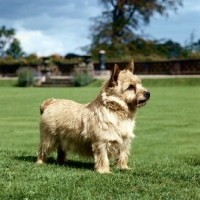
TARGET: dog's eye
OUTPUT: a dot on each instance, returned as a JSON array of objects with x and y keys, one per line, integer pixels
[{"x": 131, "y": 87}]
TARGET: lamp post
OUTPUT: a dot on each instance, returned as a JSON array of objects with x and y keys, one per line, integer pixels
[{"x": 101, "y": 59}]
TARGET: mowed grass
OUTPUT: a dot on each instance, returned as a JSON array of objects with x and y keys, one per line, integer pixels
[{"x": 165, "y": 155}]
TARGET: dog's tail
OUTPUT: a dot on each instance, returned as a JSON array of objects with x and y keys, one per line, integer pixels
[{"x": 45, "y": 104}]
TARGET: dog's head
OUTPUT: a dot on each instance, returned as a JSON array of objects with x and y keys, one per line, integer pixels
[{"x": 126, "y": 87}]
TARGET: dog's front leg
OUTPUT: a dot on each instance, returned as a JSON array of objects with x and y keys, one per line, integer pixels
[
  {"x": 101, "y": 158},
  {"x": 122, "y": 158}
]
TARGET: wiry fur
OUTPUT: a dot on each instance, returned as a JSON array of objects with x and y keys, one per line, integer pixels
[{"x": 101, "y": 129}]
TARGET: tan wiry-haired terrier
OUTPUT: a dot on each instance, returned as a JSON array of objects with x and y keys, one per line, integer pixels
[{"x": 101, "y": 129}]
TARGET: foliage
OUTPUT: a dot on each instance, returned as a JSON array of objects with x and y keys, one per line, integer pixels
[
  {"x": 196, "y": 46},
  {"x": 9, "y": 45},
  {"x": 114, "y": 30},
  {"x": 193, "y": 55},
  {"x": 33, "y": 59},
  {"x": 164, "y": 156},
  {"x": 15, "y": 49},
  {"x": 82, "y": 79},
  {"x": 6, "y": 36},
  {"x": 56, "y": 59},
  {"x": 192, "y": 48},
  {"x": 25, "y": 76},
  {"x": 121, "y": 17},
  {"x": 142, "y": 50},
  {"x": 9, "y": 60}
]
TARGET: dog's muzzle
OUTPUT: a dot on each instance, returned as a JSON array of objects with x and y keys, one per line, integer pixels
[
  {"x": 147, "y": 95},
  {"x": 142, "y": 101}
]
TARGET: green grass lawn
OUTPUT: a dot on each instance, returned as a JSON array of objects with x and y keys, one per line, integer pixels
[{"x": 165, "y": 155}]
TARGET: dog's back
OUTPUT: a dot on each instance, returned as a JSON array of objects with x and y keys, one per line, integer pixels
[{"x": 45, "y": 104}]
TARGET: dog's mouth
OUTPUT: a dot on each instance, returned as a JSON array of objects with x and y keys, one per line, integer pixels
[{"x": 141, "y": 102}]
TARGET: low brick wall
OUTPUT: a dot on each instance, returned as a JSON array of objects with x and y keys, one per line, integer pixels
[{"x": 182, "y": 67}]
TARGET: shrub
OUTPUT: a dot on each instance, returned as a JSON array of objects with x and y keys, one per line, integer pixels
[
  {"x": 81, "y": 79},
  {"x": 25, "y": 76},
  {"x": 33, "y": 59}
]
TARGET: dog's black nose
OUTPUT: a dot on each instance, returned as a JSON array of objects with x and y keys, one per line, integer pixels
[{"x": 147, "y": 94}]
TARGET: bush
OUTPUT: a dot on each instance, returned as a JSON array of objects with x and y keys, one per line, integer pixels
[
  {"x": 81, "y": 79},
  {"x": 33, "y": 59},
  {"x": 25, "y": 76}
]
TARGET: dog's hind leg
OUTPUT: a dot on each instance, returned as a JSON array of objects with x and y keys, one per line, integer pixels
[
  {"x": 44, "y": 149},
  {"x": 61, "y": 155},
  {"x": 42, "y": 154},
  {"x": 101, "y": 158}
]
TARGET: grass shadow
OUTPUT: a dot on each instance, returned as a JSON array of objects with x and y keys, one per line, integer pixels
[
  {"x": 31, "y": 159},
  {"x": 51, "y": 160},
  {"x": 79, "y": 165}
]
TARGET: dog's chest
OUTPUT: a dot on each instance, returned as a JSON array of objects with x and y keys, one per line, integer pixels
[
  {"x": 113, "y": 122},
  {"x": 126, "y": 127}
]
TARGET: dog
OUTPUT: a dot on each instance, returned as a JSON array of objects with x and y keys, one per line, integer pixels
[{"x": 102, "y": 128}]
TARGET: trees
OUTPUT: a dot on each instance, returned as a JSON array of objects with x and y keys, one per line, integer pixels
[
  {"x": 121, "y": 17},
  {"x": 9, "y": 45},
  {"x": 5, "y": 38},
  {"x": 15, "y": 50}
]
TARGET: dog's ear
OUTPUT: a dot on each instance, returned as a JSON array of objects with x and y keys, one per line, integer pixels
[
  {"x": 130, "y": 66},
  {"x": 114, "y": 76}
]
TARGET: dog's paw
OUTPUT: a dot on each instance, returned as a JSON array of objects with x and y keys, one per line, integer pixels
[
  {"x": 102, "y": 171},
  {"x": 124, "y": 167},
  {"x": 127, "y": 168},
  {"x": 40, "y": 162}
]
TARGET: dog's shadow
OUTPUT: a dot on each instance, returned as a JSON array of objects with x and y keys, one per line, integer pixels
[{"x": 51, "y": 160}]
